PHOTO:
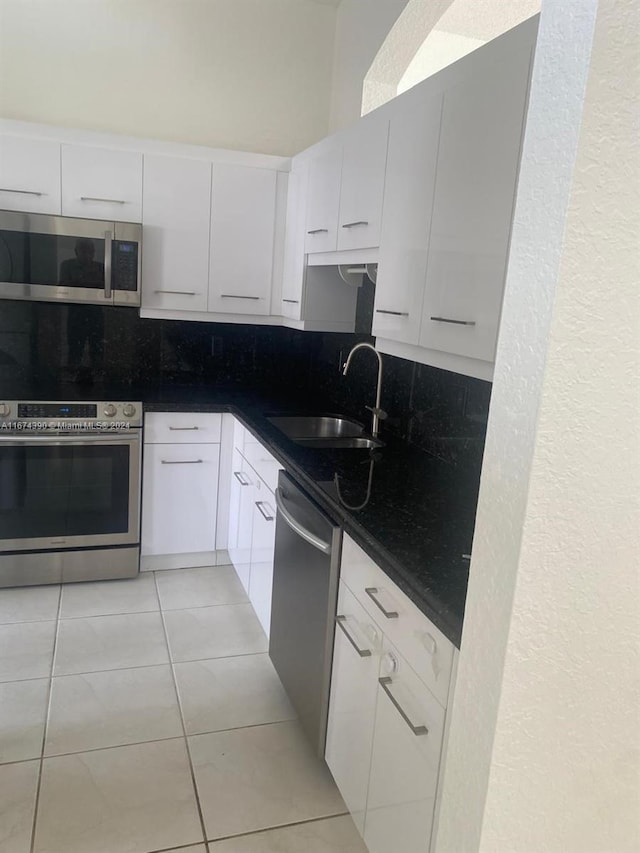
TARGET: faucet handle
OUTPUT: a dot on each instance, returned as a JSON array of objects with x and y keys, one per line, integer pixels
[{"x": 380, "y": 413}]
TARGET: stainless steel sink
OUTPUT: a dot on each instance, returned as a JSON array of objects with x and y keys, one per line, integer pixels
[
  {"x": 316, "y": 426},
  {"x": 328, "y": 431}
]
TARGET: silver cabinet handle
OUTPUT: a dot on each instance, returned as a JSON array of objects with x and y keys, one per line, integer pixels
[
  {"x": 318, "y": 231},
  {"x": 372, "y": 591},
  {"x": 239, "y": 475},
  {"x": 108, "y": 200},
  {"x": 305, "y": 534},
  {"x": 455, "y": 322},
  {"x": 353, "y": 224},
  {"x": 393, "y": 313},
  {"x": 181, "y": 461},
  {"x": 108, "y": 242},
  {"x": 292, "y": 301},
  {"x": 21, "y": 192},
  {"x": 237, "y": 296},
  {"x": 182, "y": 429},
  {"x": 179, "y": 292},
  {"x": 341, "y": 622},
  {"x": 263, "y": 512},
  {"x": 385, "y": 682}
]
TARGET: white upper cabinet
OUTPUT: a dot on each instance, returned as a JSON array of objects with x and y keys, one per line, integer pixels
[
  {"x": 479, "y": 153},
  {"x": 294, "y": 239},
  {"x": 29, "y": 174},
  {"x": 101, "y": 183},
  {"x": 323, "y": 199},
  {"x": 175, "y": 215},
  {"x": 406, "y": 218},
  {"x": 243, "y": 208},
  {"x": 362, "y": 185}
]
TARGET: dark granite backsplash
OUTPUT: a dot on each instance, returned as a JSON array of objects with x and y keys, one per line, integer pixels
[{"x": 47, "y": 345}]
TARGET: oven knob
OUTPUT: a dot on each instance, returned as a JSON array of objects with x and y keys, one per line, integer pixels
[
  {"x": 129, "y": 410},
  {"x": 4, "y": 410},
  {"x": 110, "y": 410}
]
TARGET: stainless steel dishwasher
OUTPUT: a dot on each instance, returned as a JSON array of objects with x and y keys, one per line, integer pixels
[{"x": 305, "y": 589}]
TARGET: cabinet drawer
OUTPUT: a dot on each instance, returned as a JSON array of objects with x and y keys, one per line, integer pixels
[
  {"x": 182, "y": 428},
  {"x": 239, "y": 435},
  {"x": 262, "y": 462},
  {"x": 426, "y": 648}
]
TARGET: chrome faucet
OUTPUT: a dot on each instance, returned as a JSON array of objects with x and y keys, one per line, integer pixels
[{"x": 377, "y": 412}]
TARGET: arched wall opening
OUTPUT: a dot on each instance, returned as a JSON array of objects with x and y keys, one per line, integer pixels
[{"x": 431, "y": 34}]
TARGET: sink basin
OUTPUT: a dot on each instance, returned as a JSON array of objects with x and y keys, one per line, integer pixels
[
  {"x": 356, "y": 441},
  {"x": 325, "y": 431},
  {"x": 316, "y": 426}
]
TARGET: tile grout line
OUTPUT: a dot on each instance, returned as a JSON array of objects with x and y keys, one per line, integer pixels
[
  {"x": 46, "y": 724},
  {"x": 274, "y": 828},
  {"x": 182, "y": 720}
]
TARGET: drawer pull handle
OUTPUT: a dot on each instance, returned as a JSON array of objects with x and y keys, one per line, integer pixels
[
  {"x": 263, "y": 512},
  {"x": 318, "y": 231},
  {"x": 372, "y": 591},
  {"x": 21, "y": 192},
  {"x": 181, "y": 461},
  {"x": 183, "y": 429},
  {"x": 292, "y": 301},
  {"x": 178, "y": 292},
  {"x": 340, "y": 622},
  {"x": 239, "y": 475},
  {"x": 108, "y": 200},
  {"x": 393, "y": 313},
  {"x": 385, "y": 682},
  {"x": 455, "y": 322},
  {"x": 353, "y": 224},
  {"x": 238, "y": 296}
]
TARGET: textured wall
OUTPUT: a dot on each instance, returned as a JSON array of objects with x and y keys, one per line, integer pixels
[
  {"x": 252, "y": 75},
  {"x": 544, "y": 740}
]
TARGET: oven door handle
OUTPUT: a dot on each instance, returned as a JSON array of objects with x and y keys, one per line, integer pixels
[{"x": 70, "y": 439}]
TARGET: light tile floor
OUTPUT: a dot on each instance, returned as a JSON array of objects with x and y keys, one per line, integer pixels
[{"x": 144, "y": 715}]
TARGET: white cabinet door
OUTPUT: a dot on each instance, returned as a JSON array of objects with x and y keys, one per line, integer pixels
[
  {"x": 294, "y": 260},
  {"x": 180, "y": 493},
  {"x": 323, "y": 200},
  {"x": 354, "y": 683},
  {"x": 405, "y": 761},
  {"x": 175, "y": 215},
  {"x": 243, "y": 481},
  {"x": 29, "y": 175},
  {"x": 243, "y": 207},
  {"x": 479, "y": 152},
  {"x": 406, "y": 218},
  {"x": 101, "y": 183},
  {"x": 262, "y": 547},
  {"x": 362, "y": 185}
]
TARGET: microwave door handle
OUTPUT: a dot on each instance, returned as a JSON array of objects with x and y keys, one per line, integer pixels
[{"x": 108, "y": 243}]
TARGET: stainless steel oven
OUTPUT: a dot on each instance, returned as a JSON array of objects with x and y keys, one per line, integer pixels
[
  {"x": 69, "y": 491},
  {"x": 57, "y": 258}
]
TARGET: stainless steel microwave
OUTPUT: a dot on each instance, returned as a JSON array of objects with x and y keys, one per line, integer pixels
[{"x": 60, "y": 259}]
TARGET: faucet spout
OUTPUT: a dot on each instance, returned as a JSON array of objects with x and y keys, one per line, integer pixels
[{"x": 377, "y": 413}]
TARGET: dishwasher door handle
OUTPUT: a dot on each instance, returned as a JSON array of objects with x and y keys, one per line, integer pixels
[{"x": 305, "y": 534}]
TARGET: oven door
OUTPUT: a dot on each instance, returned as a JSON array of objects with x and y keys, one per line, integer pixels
[
  {"x": 67, "y": 492},
  {"x": 57, "y": 258}
]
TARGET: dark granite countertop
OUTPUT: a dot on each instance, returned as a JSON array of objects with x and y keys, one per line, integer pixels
[{"x": 415, "y": 521}]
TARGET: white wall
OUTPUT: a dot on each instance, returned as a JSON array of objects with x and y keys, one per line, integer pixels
[
  {"x": 245, "y": 74},
  {"x": 361, "y": 27},
  {"x": 545, "y": 737}
]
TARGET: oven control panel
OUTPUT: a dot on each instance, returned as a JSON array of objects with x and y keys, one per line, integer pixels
[{"x": 49, "y": 414}]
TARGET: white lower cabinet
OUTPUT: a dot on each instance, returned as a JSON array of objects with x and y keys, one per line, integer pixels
[
  {"x": 252, "y": 520},
  {"x": 263, "y": 537},
  {"x": 405, "y": 760},
  {"x": 386, "y": 722},
  {"x": 180, "y": 490},
  {"x": 354, "y": 684}
]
